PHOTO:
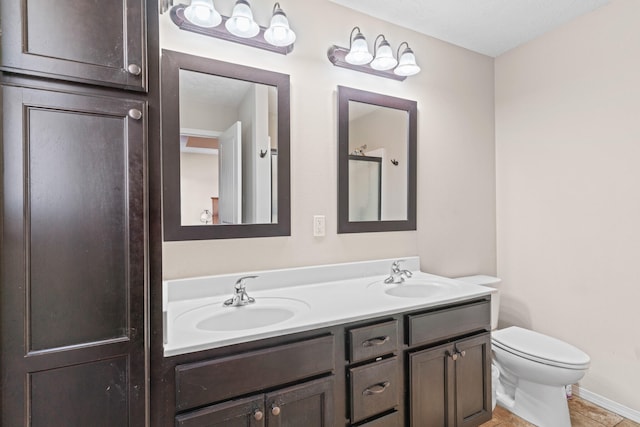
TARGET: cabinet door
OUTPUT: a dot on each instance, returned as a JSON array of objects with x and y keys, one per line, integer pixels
[
  {"x": 73, "y": 256},
  {"x": 306, "y": 405},
  {"x": 473, "y": 381},
  {"x": 241, "y": 413},
  {"x": 432, "y": 396},
  {"x": 94, "y": 42}
]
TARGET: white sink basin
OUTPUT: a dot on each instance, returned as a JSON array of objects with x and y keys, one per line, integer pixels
[
  {"x": 264, "y": 312},
  {"x": 426, "y": 290},
  {"x": 415, "y": 288}
]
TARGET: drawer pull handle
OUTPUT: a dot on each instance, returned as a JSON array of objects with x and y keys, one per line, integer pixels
[
  {"x": 257, "y": 415},
  {"x": 376, "y": 341},
  {"x": 275, "y": 410},
  {"x": 376, "y": 389}
]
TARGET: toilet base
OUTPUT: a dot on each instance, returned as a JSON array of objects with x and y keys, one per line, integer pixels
[{"x": 542, "y": 405}]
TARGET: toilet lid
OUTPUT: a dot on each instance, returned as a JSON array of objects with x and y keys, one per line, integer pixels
[{"x": 540, "y": 348}]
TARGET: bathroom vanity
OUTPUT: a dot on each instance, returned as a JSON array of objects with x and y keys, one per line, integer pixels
[{"x": 362, "y": 353}]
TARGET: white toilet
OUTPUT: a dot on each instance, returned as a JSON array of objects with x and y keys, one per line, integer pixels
[{"x": 534, "y": 368}]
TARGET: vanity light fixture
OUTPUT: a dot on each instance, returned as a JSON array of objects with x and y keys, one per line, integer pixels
[
  {"x": 407, "y": 62},
  {"x": 383, "y": 55},
  {"x": 382, "y": 63},
  {"x": 201, "y": 17},
  {"x": 279, "y": 33},
  {"x": 241, "y": 22},
  {"x": 203, "y": 13}
]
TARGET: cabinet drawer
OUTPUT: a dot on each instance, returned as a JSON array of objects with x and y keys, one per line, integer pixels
[
  {"x": 390, "y": 420},
  {"x": 215, "y": 380},
  {"x": 447, "y": 323},
  {"x": 374, "y": 388},
  {"x": 371, "y": 341}
]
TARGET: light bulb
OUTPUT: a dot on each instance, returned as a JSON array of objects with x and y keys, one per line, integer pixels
[
  {"x": 359, "y": 53},
  {"x": 384, "y": 59},
  {"x": 241, "y": 22},
  {"x": 202, "y": 13},
  {"x": 279, "y": 33},
  {"x": 407, "y": 65}
]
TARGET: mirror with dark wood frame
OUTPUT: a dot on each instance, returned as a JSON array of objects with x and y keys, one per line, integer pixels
[
  {"x": 225, "y": 150},
  {"x": 376, "y": 162}
]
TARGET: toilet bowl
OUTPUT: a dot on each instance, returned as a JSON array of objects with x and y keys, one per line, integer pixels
[{"x": 534, "y": 369}]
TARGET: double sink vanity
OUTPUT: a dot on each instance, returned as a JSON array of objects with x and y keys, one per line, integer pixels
[
  {"x": 327, "y": 346},
  {"x": 370, "y": 343}
]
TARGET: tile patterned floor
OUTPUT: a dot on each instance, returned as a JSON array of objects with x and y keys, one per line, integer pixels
[{"x": 583, "y": 414}]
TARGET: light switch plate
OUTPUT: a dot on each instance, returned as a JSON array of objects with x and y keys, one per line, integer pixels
[{"x": 318, "y": 226}]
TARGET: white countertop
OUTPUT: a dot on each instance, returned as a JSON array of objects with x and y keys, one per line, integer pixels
[{"x": 319, "y": 305}]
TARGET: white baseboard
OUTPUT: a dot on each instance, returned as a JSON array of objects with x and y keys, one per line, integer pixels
[{"x": 607, "y": 404}]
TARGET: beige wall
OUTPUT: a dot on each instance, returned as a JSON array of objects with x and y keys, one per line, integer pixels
[
  {"x": 456, "y": 191},
  {"x": 198, "y": 184},
  {"x": 568, "y": 174}
]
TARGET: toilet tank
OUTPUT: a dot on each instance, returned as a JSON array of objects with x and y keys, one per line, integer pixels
[{"x": 492, "y": 283}]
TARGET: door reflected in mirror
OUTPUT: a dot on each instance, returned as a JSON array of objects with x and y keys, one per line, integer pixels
[
  {"x": 225, "y": 150},
  {"x": 228, "y": 145},
  {"x": 376, "y": 162}
]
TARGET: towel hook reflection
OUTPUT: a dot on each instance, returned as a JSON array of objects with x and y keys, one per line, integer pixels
[
  {"x": 263, "y": 153},
  {"x": 395, "y": 162}
]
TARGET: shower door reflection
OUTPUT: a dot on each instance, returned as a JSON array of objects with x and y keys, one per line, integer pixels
[{"x": 365, "y": 188}]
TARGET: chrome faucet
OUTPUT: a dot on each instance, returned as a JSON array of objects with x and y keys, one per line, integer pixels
[
  {"x": 397, "y": 274},
  {"x": 240, "y": 296}
]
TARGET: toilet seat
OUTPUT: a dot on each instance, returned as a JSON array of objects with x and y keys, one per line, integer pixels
[{"x": 540, "y": 348}]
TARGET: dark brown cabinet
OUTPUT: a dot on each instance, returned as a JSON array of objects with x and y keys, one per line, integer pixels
[
  {"x": 449, "y": 384},
  {"x": 73, "y": 258},
  {"x": 473, "y": 380},
  {"x": 308, "y": 404},
  {"x": 428, "y": 367},
  {"x": 374, "y": 386},
  {"x": 238, "y": 413},
  {"x": 100, "y": 43}
]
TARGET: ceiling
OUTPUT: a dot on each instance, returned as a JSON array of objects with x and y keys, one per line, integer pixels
[
  {"x": 214, "y": 91},
  {"x": 490, "y": 27}
]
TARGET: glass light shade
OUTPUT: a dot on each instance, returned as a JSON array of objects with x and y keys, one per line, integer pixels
[
  {"x": 359, "y": 53},
  {"x": 202, "y": 13},
  {"x": 407, "y": 64},
  {"x": 384, "y": 59},
  {"x": 279, "y": 33},
  {"x": 241, "y": 22}
]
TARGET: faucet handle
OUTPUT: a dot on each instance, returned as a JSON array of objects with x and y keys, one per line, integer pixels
[
  {"x": 240, "y": 282},
  {"x": 395, "y": 266}
]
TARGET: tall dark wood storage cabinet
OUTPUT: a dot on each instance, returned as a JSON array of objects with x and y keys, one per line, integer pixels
[
  {"x": 74, "y": 213},
  {"x": 88, "y": 41}
]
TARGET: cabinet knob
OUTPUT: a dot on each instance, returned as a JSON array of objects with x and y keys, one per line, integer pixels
[
  {"x": 462, "y": 353},
  {"x": 134, "y": 69},
  {"x": 275, "y": 410},
  {"x": 135, "y": 114},
  {"x": 257, "y": 415},
  {"x": 453, "y": 356}
]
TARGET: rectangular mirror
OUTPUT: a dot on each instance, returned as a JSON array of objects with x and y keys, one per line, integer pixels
[
  {"x": 225, "y": 137},
  {"x": 376, "y": 162}
]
